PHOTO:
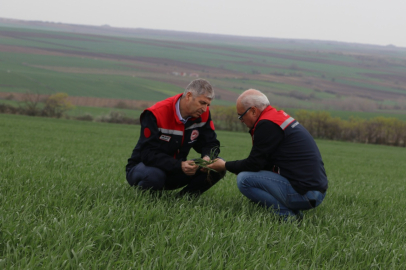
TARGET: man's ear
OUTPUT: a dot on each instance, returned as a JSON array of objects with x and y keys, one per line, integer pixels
[{"x": 188, "y": 96}]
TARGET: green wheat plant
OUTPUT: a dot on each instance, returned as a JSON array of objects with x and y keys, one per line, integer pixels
[{"x": 205, "y": 163}]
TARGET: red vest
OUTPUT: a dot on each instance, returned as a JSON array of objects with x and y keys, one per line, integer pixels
[
  {"x": 167, "y": 119},
  {"x": 280, "y": 118},
  {"x": 170, "y": 127}
]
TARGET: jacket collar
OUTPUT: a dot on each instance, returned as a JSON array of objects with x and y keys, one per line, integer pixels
[
  {"x": 175, "y": 99},
  {"x": 268, "y": 108}
]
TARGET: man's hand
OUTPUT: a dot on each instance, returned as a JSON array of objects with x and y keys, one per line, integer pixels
[
  {"x": 207, "y": 158},
  {"x": 219, "y": 165},
  {"x": 189, "y": 167}
]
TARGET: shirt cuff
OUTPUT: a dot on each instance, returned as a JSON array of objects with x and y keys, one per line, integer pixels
[{"x": 230, "y": 166}]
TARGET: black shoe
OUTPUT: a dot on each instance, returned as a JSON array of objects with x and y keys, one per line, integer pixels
[{"x": 299, "y": 216}]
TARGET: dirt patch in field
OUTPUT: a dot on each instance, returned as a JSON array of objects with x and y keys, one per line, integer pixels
[
  {"x": 27, "y": 35},
  {"x": 334, "y": 87},
  {"x": 87, "y": 101},
  {"x": 396, "y": 85},
  {"x": 28, "y": 50},
  {"x": 110, "y": 102},
  {"x": 220, "y": 94},
  {"x": 395, "y": 78}
]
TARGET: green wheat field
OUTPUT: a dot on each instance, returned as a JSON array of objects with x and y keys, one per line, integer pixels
[{"x": 65, "y": 204}]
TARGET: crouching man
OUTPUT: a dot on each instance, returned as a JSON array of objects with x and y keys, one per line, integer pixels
[
  {"x": 169, "y": 129},
  {"x": 284, "y": 170}
]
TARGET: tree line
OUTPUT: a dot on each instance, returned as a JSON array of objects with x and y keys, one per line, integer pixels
[
  {"x": 34, "y": 105},
  {"x": 320, "y": 124},
  {"x": 56, "y": 106},
  {"x": 378, "y": 130}
]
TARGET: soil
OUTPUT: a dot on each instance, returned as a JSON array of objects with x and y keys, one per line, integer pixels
[{"x": 87, "y": 101}]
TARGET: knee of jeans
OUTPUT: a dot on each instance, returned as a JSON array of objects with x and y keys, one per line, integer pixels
[
  {"x": 156, "y": 184},
  {"x": 154, "y": 178},
  {"x": 241, "y": 180},
  {"x": 315, "y": 198},
  {"x": 157, "y": 173},
  {"x": 320, "y": 199},
  {"x": 152, "y": 182},
  {"x": 132, "y": 177},
  {"x": 146, "y": 177}
]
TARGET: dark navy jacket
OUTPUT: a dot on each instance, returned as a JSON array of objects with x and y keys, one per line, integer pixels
[
  {"x": 165, "y": 141},
  {"x": 282, "y": 145}
]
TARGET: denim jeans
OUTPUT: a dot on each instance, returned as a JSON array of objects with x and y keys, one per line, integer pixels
[
  {"x": 151, "y": 178},
  {"x": 274, "y": 191}
]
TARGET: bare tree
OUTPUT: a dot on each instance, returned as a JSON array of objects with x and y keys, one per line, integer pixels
[{"x": 30, "y": 103}]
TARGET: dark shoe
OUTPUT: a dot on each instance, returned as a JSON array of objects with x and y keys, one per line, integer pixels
[{"x": 299, "y": 216}]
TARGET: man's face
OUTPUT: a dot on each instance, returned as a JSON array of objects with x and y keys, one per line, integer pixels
[
  {"x": 247, "y": 115},
  {"x": 197, "y": 105}
]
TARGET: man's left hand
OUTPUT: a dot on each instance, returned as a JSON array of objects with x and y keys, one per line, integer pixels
[{"x": 219, "y": 165}]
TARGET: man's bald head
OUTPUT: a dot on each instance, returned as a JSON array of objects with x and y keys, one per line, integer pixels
[{"x": 253, "y": 98}]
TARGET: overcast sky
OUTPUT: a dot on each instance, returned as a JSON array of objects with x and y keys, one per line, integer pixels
[{"x": 380, "y": 22}]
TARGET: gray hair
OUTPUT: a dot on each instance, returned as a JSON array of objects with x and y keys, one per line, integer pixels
[
  {"x": 199, "y": 87},
  {"x": 254, "y": 98}
]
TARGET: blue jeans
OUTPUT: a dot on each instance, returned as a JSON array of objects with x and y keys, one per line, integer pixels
[
  {"x": 274, "y": 191},
  {"x": 152, "y": 178}
]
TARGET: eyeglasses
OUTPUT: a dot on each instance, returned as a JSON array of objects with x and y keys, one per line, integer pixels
[{"x": 241, "y": 116}]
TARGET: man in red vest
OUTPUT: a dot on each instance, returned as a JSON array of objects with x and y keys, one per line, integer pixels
[
  {"x": 169, "y": 129},
  {"x": 284, "y": 170}
]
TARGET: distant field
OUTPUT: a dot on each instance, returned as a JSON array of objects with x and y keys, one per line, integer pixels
[
  {"x": 152, "y": 66},
  {"x": 345, "y": 115},
  {"x": 65, "y": 203}
]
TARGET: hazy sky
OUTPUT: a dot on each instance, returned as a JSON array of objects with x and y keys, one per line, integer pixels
[{"x": 380, "y": 22}]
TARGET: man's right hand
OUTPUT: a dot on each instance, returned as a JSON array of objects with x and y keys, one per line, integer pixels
[
  {"x": 189, "y": 167},
  {"x": 218, "y": 165}
]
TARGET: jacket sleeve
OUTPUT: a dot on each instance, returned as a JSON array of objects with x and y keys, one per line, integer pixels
[
  {"x": 267, "y": 137},
  {"x": 151, "y": 154},
  {"x": 207, "y": 140}
]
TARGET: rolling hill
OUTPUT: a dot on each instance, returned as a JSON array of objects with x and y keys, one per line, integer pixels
[{"x": 149, "y": 65}]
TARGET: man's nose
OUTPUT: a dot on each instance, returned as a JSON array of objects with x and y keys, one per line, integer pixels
[{"x": 204, "y": 107}]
